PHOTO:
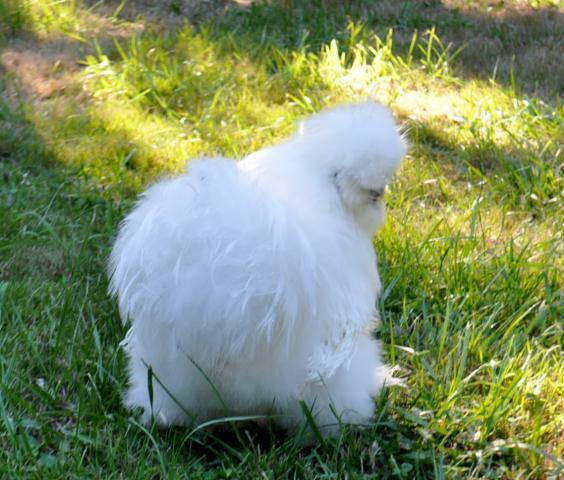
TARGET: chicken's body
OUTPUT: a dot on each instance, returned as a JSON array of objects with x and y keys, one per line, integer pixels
[{"x": 252, "y": 286}]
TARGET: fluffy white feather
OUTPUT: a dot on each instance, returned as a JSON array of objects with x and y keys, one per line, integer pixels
[{"x": 252, "y": 286}]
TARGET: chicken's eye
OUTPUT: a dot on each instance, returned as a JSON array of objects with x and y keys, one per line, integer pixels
[{"x": 374, "y": 194}]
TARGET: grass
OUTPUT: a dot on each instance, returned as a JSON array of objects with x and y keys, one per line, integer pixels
[{"x": 470, "y": 257}]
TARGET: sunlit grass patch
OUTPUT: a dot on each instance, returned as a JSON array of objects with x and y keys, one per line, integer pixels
[
  {"x": 106, "y": 143},
  {"x": 48, "y": 18},
  {"x": 213, "y": 95},
  {"x": 200, "y": 85},
  {"x": 40, "y": 16}
]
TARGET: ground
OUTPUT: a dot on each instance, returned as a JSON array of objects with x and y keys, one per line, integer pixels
[{"x": 97, "y": 99}]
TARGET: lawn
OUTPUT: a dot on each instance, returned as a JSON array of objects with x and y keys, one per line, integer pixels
[{"x": 97, "y": 99}]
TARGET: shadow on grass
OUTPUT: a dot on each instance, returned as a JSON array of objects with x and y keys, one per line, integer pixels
[
  {"x": 47, "y": 204},
  {"x": 516, "y": 44},
  {"x": 519, "y": 47},
  {"x": 379, "y": 449}
]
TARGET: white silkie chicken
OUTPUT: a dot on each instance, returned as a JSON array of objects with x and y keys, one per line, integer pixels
[{"x": 251, "y": 286}]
